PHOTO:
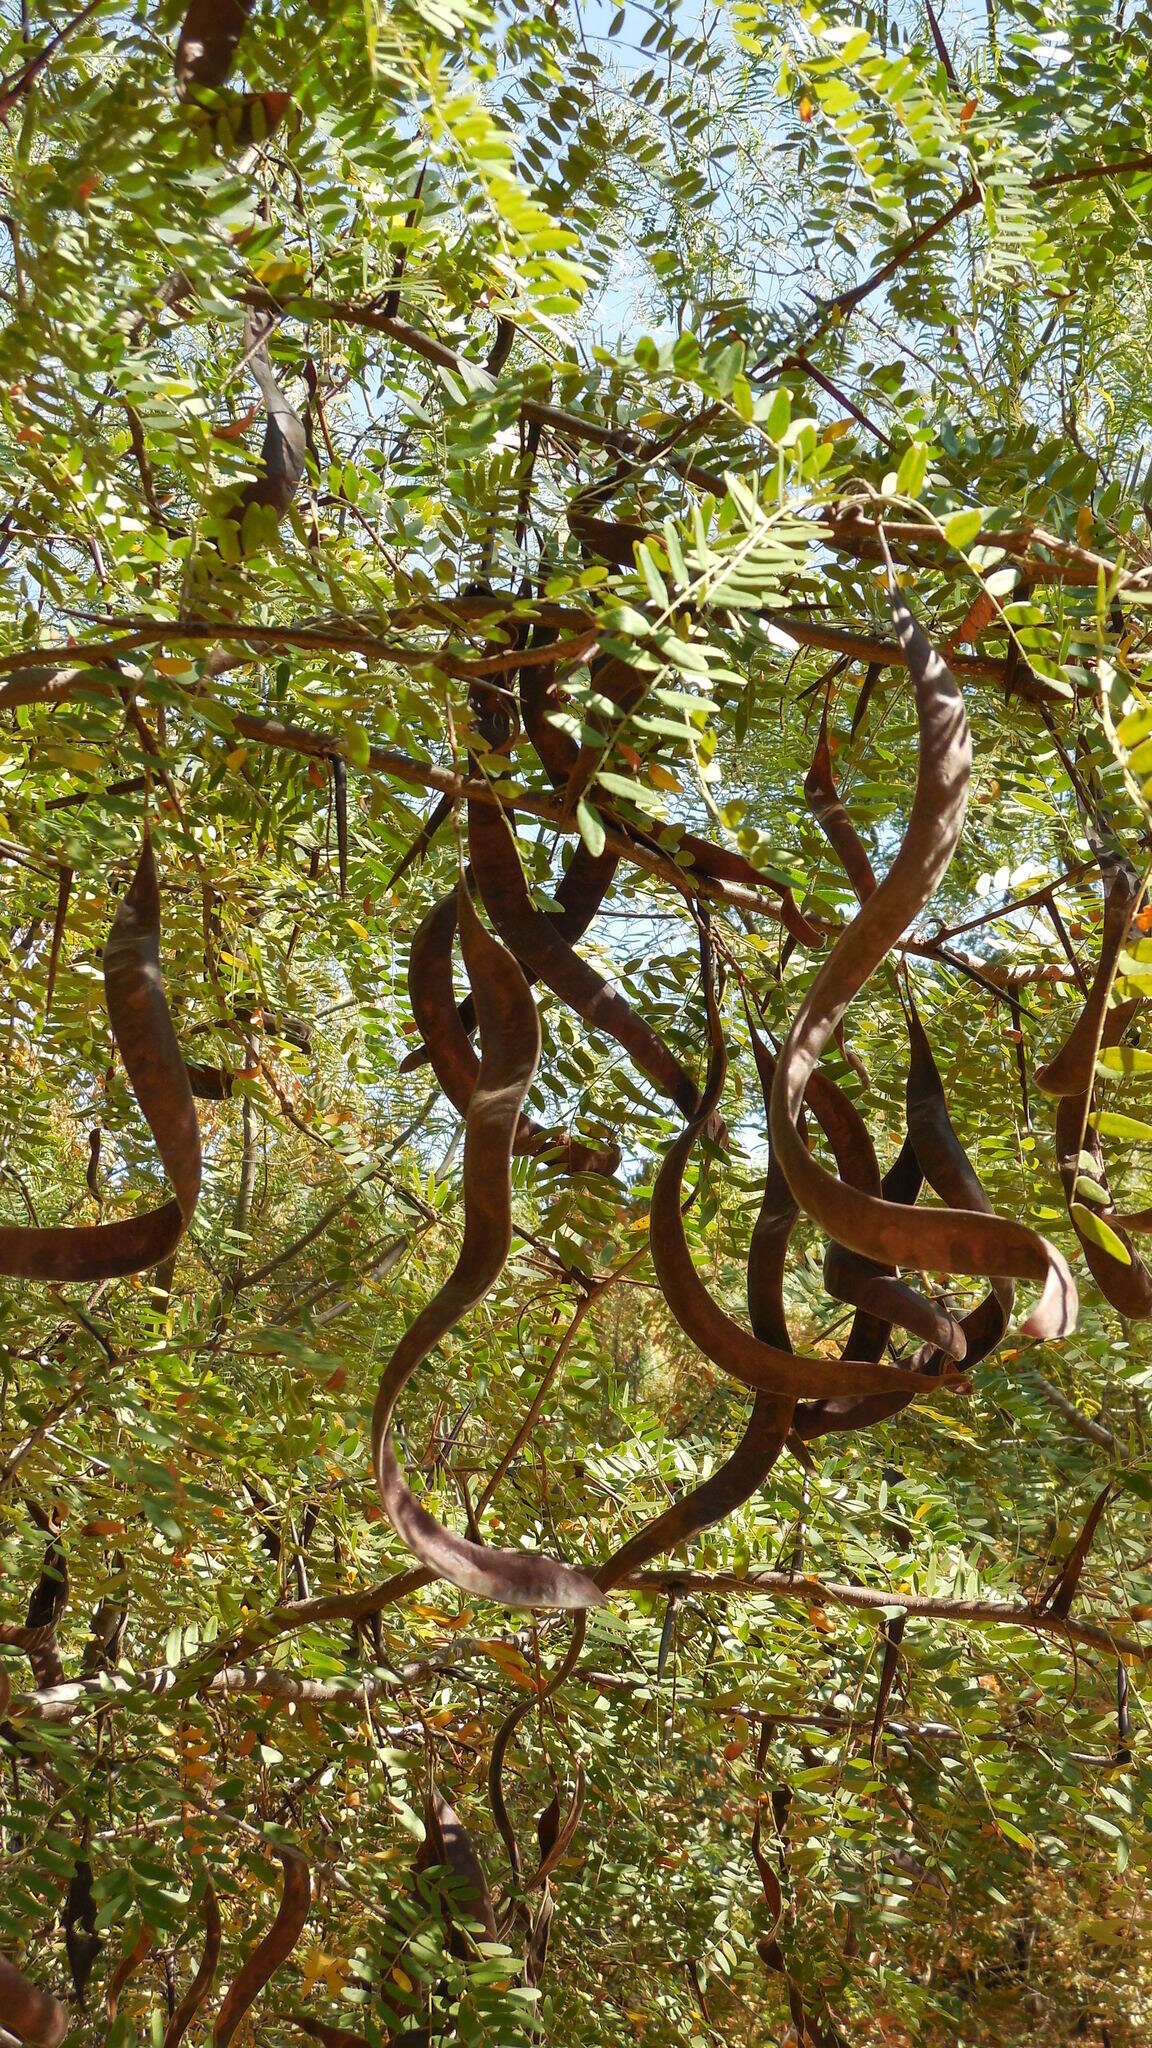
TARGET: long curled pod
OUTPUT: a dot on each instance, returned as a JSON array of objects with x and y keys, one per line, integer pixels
[
  {"x": 532, "y": 937},
  {"x": 823, "y": 799},
  {"x": 867, "y": 1285},
  {"x": 201, "y": 1986},
  {"x": 1126, "y": 1284},
  {"x": 735, "y": 1481},
  {"x": 448, "y": 1843},
  {"x": 35, "y": 2017},
  {"x": 767, "y": 1254},
  {"x": 507, "y": 1730},
  {"x": 951, "y": 1175},
  {"x": 146, "y": 1041},
  {"x": 1070, "y": 1075},
  {"x": 327, "y": 2035},
  {"x": 1071, "y": 1070},
  {"x": 272, "y": 1949},
  {"x": 579, "y": 893},
  {"x": 554, "y": 1836},
  {"x": 285, "y": 446},
  {"x": 453, "y": 1057},
  {"x": 769, "y": 1368},
  {"x": 126, "y": 1968},
  {"x": 509, "y": 1049},
  {"x": 937, "y": 1240},
  {"x": 873, "y": 1289}
]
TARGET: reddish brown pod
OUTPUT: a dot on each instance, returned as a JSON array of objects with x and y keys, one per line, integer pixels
[
  {"x": 448, "y": 1843},
  {"x": 208, "y": 42},
  {"x": 35, "y": 2018},
  {"x": 927, "y": 1240},
  {"x": 509, "y": 1049},
  {"x": 274, "y": 1948},
  {"x": 146, "y": 1042},
  {"x": 201, "y": 1986},
  {"x": 544, "y": 954},
  {"x": 443, "y": 1026},
  {"x": 768, "y": 1367}
]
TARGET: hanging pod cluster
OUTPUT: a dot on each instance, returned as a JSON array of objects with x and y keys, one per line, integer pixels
[{"x": 876, "y": 1234}]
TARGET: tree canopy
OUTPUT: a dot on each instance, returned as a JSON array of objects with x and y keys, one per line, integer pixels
[{"x": 575, "y": 758}]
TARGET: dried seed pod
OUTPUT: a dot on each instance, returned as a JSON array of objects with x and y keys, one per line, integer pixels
[
  {"x": 64, "y": 891},
  {"x": 125, "y": 1969},
  {"x": 893, "y": 1637},
  {"x": 1057, "y": 1600},
  {"x": 454, "y": 1061},
  {"x": 950, "y": 1174},
  {"x": 1124, "y": 1281},
  {"x": 1071, "y": 1071},
  {"x": 328, "y": 2036},
  {"x": 46, "y": 1604},
  {"x": 209, "y": 1084},
  {"x": 767, "y": 1367},
  {"x": 273, "y": 1949},
  {"x": 285, "y": 442},
  {"x": 447, "y": 1842},
  {"x": 208, "y": 40},
  {"x": 735, "y": 1481},
  {"x": 201, "y": 1985},
  {"x": 36, "y": 2019},
  {"x": 541, "y": 952},
  {"x": 500, "y": 1747},
  {"x": 1127, "y": 1285},
  {"x": 510, "y": 1047},
  {"x": 767, "y": 1253},
  {"x": 82, "y": 1942},
  {"x": 155, "y": 1068},
  {"x": 871, "y": 1287},
  {"x": 579, "y": 894},
  {"x": 823, "y": 801},
  {"x": 936, "y": 1240}
]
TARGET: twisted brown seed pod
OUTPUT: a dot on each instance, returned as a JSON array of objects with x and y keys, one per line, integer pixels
[
  {"x": 328, "y": 2036},
  {"x": 767, "y": 1254},
  {"x": 507, "y": 1729},
  {"x": 765, "y": 1433},
  {"x": 893, "y": 1637},
  {"x": 454, "y": 1061},
  {"x": 936, "y": 1240},
  {"x": 532, "y": 938},
  {"x": 208, "y": 40},
  {"x": 125, "y": 1969},
  {"x": 848, "y": 1277},
  {"x": 768, "y": 1367},
  {"x": 201, "y": 1985},
  {"x": 447, "y": 1842},
  {"x": 273, "y": 1949},
  {"x": 950, "y": 1174},
  {"x": 1071, "y": 1074},
  {"x": 824, "y": 802},
  {"x": 874, "y": 1290},
  {"x": 509, "y": 1048},
  {"x": 735, "y": 1481},
  {"x": 33, "y": 2016},
  {"x": 1071, "y": 1071},
  {"x": 1128, "y": 1287},
  {"x": 155, "y": 1068},
  {"x": 285, "y": 446}
]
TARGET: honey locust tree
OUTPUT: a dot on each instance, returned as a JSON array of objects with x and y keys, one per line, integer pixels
[{"x": 464, "y": 467}]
